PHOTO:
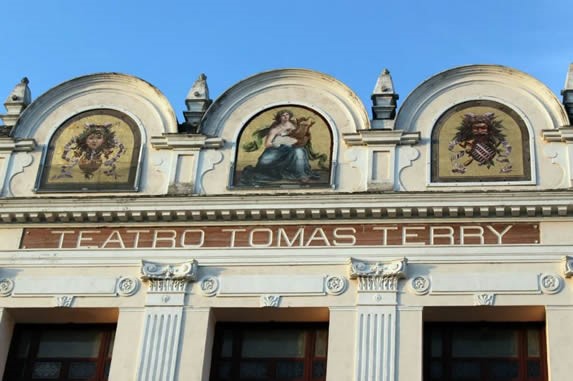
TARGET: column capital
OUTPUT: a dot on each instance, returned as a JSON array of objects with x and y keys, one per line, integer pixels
[{"x": 378, "y": 276}]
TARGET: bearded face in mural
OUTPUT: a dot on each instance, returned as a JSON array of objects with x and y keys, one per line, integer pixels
[{"x": 480, "y": 140}]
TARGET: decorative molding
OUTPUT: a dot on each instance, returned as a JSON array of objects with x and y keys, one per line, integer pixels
[
  {"x": 567, "y": 266},
  {"x": 185, "y": 142},
  {"x": 381, "y": 137},
  {"x": 550, "y": 283},
  {"x": 335, "y": 285},
  {"x": 168, "y": 278},
  {"x": 228, "y": 208},
  {"x": 186, "y": 271},
  {"x": 64, "y": 300},
  {"x": 270, "y": 300},
  {"x": 210, "y": 159},
  {"x": 378, "y": 276},
  {"x": 420, "y": 285},
  {"x": 8, "y": 144},
  {"x": 6, "y": 287},
  {"x": 127, "y": 286},
  {"x": 209, "y": 286},
  {"x": 484, "y": 299},
  {"x": 561, "y": 134}
]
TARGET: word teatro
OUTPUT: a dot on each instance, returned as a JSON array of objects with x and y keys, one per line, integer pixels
[{"x": 282, "y": 236}]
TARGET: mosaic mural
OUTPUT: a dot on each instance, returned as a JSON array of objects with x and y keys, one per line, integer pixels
[
  {"x": 93, "y": 151},
  {"x": 480, "y": 141},
  {"x": 285, "y": 146}
]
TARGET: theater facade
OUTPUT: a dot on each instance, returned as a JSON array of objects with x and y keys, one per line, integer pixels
[{"x": 283, "y": 232}]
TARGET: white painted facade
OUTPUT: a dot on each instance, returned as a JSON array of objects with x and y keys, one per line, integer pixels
[{"x": 167, "y": 295}]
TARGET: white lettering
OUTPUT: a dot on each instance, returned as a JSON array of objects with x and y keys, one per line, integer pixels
[
  {"x": 448, "y": 235},
  {"x": 318, "y": 235},
  {"x": 82, "y": 239},
  {"x": 200, "y": 240},
  {"x": 62, "y": 233},
  {"x": 168, "y": 236},
  {"x": 137, "y": 235},
  {"x": 385, "y": 232},
  {"x": 350, "y": 236},
  {"x": 498, "y": 234},
  {"x": 233, "y": 235},
  {"x": 283, "y": 235},
  {"x": 464, "y": 234},
  {"x": 406, "y": 235},
  {"x": 114, "y": 237},
  {"x": 265, "y": 231}
]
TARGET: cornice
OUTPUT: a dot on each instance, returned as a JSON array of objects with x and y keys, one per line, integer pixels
[{"x": 300, "y": 207}]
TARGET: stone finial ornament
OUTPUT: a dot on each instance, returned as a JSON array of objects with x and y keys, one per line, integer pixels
[
  {"x": 567, "y": 93},
  {"x": 383, "y": 100},
  {"x": 197, "y": 102},
  {"x": 17, "y": 101}
]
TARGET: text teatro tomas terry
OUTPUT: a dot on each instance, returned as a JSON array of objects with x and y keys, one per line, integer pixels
[{"x": 283, "y": 236}]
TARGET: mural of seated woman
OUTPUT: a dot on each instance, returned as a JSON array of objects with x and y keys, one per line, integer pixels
[{"x": 286, "y": 155}]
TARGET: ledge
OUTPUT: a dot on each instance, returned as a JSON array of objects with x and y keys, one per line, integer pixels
[
  {"x": 185, "y": 141},
  {"x": 394, "y": 205}
]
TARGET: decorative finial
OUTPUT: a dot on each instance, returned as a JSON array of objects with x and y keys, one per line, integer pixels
[
  {"x": 197, "y": 102},
  {"x": 567, "y": 93},
  {"x": 16, "y": 102},
  {"x": 383, "y": 100}
]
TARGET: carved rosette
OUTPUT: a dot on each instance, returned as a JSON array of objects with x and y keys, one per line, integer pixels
[
  {"x": 335, "y": 285},
  {"x": 168, "y": 277},
  {"x": 484, "y": 299},
  {"x": 64, "y": 301},
  {"x": 420, "y": 285},
  {"x": 6, "y": 287},
  {"x": 378, "y": 276},
  {"x": 127, "y": 286},
  {"x": 550, "y": 283},
  {"x": 209, "y": 286},
  {"x": 270, "y": 300}
]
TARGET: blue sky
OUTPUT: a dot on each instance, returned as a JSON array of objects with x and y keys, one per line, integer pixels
[{"x": 169, "y": 43}]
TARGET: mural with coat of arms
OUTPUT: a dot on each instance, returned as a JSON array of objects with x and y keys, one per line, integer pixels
[{"x": 480, "y": 141}]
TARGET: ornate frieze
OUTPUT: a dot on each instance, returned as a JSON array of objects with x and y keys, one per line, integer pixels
[
  {"x": 168, "y": 277},
  {"x": 270, "y": 300},
  {"x": 484, "y": 299},
  {"x": 378, "y": 276},
  {"x": 567, "y": 266},
  {"x": 64, "y": 300},
  {"x": 6, "y": 287},
  {"x": 335, "y": 285},
  {"x": 127, "y": 286},
  {"x": 420, "y": 285},
  {"x": 209, "y": 286},
  {"x": 550, "y": 283}
]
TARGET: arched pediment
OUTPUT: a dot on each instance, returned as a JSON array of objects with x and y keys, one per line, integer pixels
[{"x": 520, "y": 109}]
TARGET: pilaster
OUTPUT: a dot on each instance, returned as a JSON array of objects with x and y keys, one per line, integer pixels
[
  {"x": 376, "y": 318},
  {"x": 159, "y": 350}
]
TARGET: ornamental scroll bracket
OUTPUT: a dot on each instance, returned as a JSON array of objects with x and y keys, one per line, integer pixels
[
  {"x": 168, "y": 282},
  {"x": 377, "y": 276}
]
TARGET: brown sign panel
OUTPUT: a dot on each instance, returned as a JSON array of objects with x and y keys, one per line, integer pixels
[{"x": 282, "y": 236}]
